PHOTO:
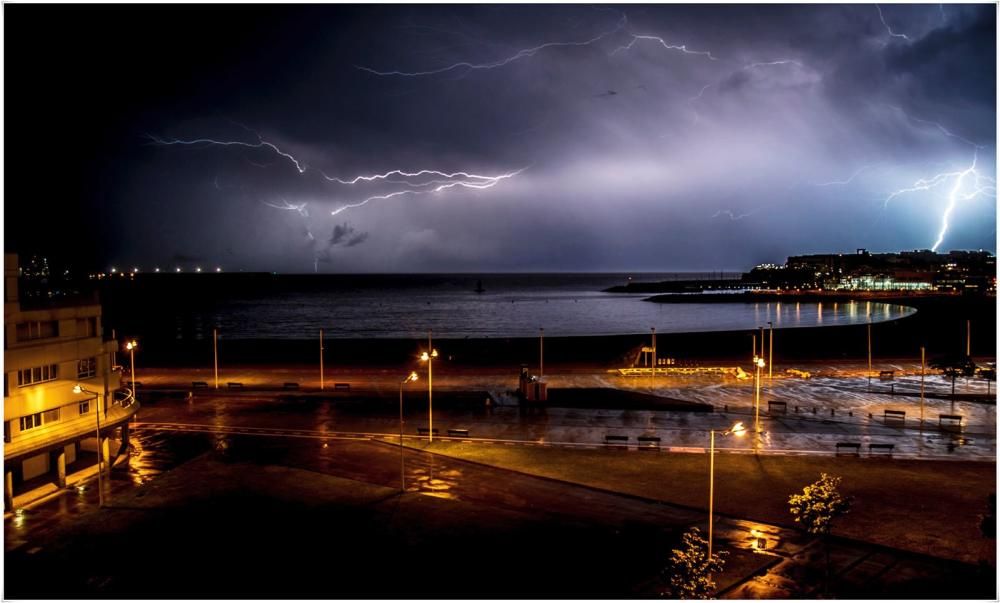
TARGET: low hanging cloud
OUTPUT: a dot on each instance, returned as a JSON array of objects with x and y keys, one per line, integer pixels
[{"x": 347, "y": 236}]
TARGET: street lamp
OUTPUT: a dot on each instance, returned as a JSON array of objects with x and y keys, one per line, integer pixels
[
  {"x": 429, "y": 359},
  {"x": 738, "y": 430},
  {"x": 402, "y": 480},
  {"x": 758, "y": 364},
  {"x": 770, "y": 350},
  {"x": 78, "y": 389},
  {"x": 131, "y": 347}
]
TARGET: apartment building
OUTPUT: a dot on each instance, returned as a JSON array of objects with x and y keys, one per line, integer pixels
[{"x": 50, "y": 348}]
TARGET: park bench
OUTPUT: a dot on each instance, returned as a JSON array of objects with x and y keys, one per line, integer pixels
[
  {"x": 199, "y": 385},
  {"x": 894, "y": 417},
  {"x": 886, "y": 375},
  {"x": 424, "y": 430},
  {"x": 950, "y": 422},
  {"x": 851, "y": 448},
  {"x": 234, "y": 385},
  {"x": 886, "y": 448},
  {"x": 458, "y": 433},
  {"x": 342, "y": 386},
  {"x": 776, "y": 406},
  {"x": 649, "y": 442},
  {"x": 291, "y": 385},
  {"x": 616, "y": 440}
]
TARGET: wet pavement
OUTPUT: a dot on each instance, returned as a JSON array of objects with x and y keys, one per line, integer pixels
[{"x": 360, "y": 443}]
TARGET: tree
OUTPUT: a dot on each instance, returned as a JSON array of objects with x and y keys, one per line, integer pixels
[
  {"x": 955, "y": 367},
  {"x": 817, "y": 507},
  {"x": 690, "y": 570}
]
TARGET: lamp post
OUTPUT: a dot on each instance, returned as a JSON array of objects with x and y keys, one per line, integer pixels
[
  {"x": 321, "y": 381},
  {"x": 869, "y": 351},
  {"x": 541, "y": 352},
  {"x": 922, "y": 360},
  {"x": 770, "y": 350},
  {"x": 402, "y": 479},
  {"x": 758, "y": 364},
  {"x": 429, "y": 357},
  {"x": 78, "y": 389},
  {"x": 738, "y": 430},
  {"x": 131, "y": 346}
]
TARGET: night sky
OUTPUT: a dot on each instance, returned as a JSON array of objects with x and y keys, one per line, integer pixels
[{"x": 554, "y": 138}]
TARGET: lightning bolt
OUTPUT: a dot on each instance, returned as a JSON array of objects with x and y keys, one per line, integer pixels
[
  {"x": 480, "y": 182},
  {"x": 683, "y": 47},
  {"x": 732, "y": 216},
  {"x": 857, "y": 173},
  {"x": 521, "y": 54},
  {"x": 981, "y": 185},
  {"x": 889, "y": 29},
  {"x": 260, "y": 144},
  {"x": 440, "y": 181},
  {"x": 299, "y": 207},
  {"x": 770, "y": 63}
]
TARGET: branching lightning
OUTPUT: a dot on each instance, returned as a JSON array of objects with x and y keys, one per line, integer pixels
[
  {"x": 960, "y": 191},
  {"x": 260, "y": 144},
  {"x": 889, "y": 29},
  {"x": 682, "y": 48},
  {"x": 521, "y": 54},
  {"x": 299, "y": 207},
  {"x": 733, "y": 216},
  {"x": 471, "y": 181},
  {"x": 415, "y": 182}
]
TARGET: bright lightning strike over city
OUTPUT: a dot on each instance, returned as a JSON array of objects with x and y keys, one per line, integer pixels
[{"x": 492, "y": 301}]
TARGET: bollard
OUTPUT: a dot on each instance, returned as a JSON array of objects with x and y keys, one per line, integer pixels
[
  {"x": 814, "y": 410},
  {"x": 796, "y": 409},
  {"x": 725, "y": 408},
  {"x": 831, "y": 412},
  {"x": 850, "y": 413},
  {"x": 869, "y": 415}
]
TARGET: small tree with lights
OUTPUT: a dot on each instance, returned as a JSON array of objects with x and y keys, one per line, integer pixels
[
  {"x": 819, "y": 504},
  {"x": 690, "y": 570}
]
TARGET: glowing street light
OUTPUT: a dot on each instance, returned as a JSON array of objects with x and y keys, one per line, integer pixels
[
  {"x": 402, "y": 479},
  {"x": 737, "y": 430},
  {"x": 770, "y": 350},
  {"x": 79, "y": 389},
  {"x": 429, "y": 359},
  {"x": 758, "y": 365},
  {"x": 131, "y": 347}
]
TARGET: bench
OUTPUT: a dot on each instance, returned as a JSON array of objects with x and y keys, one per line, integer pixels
[
  {"x": 424, "y": 430},
  {"x": 616, "y": 440},
  {"x": 290, "y": 385},
  {"x": 895, "y": 417},
  {"x": 649, "y": 442},
  {"x": 774, "y": 406},
  {"x": 950, "y": 422},
  {"x": 342, "y": 386},
  {"x": 886, "y": 448},
  {"x": 234, "y": 385},
  {"x": 458, "y": 433},
  {"x": 851, "y": 448},
  {"x": 886, "y": 375},
  {"x": 199, "y": 385}
]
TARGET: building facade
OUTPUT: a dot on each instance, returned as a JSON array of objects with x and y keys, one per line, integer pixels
[{"x": 50, "y": 349}]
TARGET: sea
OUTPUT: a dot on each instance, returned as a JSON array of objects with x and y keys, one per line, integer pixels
[{"x": 454, "y": 306}]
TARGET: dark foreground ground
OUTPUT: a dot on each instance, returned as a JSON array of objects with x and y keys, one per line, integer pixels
[{"x": 295, "y": 515}]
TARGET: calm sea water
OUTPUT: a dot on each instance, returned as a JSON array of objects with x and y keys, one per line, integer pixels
[{"x": 384, "y": 306}]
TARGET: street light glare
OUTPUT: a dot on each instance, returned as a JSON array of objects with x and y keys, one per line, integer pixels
[
  {"x": 737, "y": 429},
  {"x": 413, "y": 376},
  {"x": 77, "y": 389}
]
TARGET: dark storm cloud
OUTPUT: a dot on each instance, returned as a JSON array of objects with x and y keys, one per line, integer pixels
[
  {"x": 641, "y": 131},
  {"x": 346, "y": 235}
]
